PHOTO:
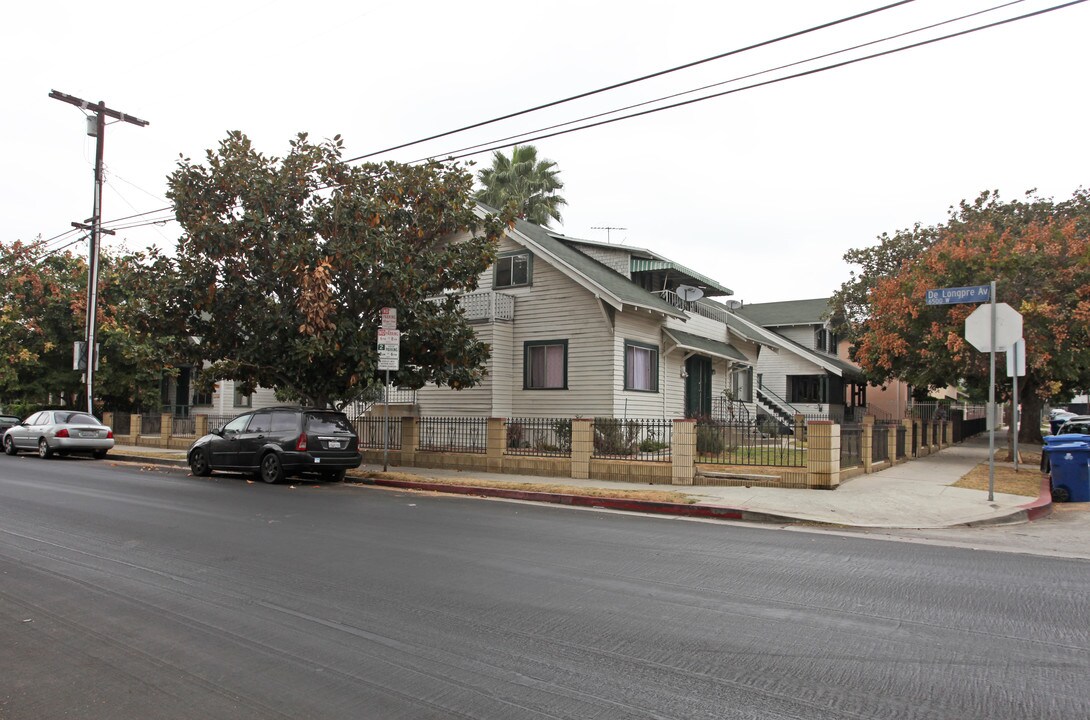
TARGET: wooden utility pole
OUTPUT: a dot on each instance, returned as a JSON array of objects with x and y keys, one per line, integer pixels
[{"x": 101, "y": 113}]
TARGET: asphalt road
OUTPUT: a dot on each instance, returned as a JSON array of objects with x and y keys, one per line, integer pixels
[{"x": 144, "y": 593}]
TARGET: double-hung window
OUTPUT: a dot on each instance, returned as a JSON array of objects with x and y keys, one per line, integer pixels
[
  {"x": 513, "y": 269},
  {"x": 545, "y": 365},
  {"x": 641, "y": 367}
]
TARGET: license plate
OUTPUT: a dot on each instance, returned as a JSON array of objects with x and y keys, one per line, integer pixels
[
  {"x": 88, "y": 434},
  {"x": 335, "y": 444}
]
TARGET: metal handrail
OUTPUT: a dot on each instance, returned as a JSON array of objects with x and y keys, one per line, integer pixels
[{"x": 784, "y": 405}]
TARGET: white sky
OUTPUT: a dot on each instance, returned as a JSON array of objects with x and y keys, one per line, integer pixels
[{"x": 763, "y": 190}]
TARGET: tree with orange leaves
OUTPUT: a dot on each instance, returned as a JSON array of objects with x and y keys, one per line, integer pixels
[{"x": 1037, "y": 251}]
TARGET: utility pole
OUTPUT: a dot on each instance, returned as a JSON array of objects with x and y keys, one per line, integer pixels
[{"x": 99, "y": 125}]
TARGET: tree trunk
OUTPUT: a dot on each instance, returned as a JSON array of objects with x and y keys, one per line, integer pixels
[{"x": 1029, "y": 430}]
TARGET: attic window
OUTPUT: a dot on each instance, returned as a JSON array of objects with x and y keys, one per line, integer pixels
[{"x": 513, "y": 269}]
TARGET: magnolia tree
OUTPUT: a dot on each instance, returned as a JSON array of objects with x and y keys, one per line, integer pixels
[
  {"x": 1037, "y": 251},
  {"x": 285, "y": 264}
]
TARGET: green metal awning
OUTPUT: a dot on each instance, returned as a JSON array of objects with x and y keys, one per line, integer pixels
[
  {"x": 711, "y": 287},
  {"x": 706, "y": 346}
]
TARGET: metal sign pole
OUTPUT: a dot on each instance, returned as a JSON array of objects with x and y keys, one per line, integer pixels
[
  {"x": 1014, "y": 410},
  {"x": 991, "y": 405},
  {"x": 386, "y": 428}
]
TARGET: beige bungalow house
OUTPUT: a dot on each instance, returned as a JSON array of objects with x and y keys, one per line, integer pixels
[{"x": 579, "y": 328}]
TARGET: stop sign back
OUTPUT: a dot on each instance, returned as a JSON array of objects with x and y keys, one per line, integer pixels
[{"x": 1008, "y": 327}]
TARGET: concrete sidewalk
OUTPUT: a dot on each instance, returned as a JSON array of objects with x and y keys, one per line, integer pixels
[{"x": 915, "y": 494}]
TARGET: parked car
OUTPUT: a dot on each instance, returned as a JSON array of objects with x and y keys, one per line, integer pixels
[
  {"x": 278, "y": 442},
  {"x": 59, "y": 432},
  {"x": 1079, "y": 424},
  {"x": 7, "y": 421}
]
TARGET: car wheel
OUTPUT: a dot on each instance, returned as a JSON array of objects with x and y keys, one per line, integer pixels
[
  {"x": 44, "y": 451},
  {"x": 198, "y": 464},
  {"x": 271, "y": 470},
  {"x": 9, "y": 446},
  {"x": 334, "y": 475},
  {"x": 98, "y": 454},
  {"x": 1061, "y": 494}
]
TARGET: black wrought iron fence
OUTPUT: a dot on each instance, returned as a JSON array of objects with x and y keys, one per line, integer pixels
[
  {"x": 902, "y": 433},
  {"x": 216, "y": 422},
  {"x": 454, "y": 434},
  {"x": 122, "y": 423},
  {"x": 851, "y": 445},
  {"x": 547, "y": 437},
  {"x": 915, "y": 441},
  {"x": 151, "y": 424},
  {"x": 879, "y": 447},
  {"x": 944, "y": 435},
  {"x": 751, "y": 443},
  {"x": 373, "y": 431},
  {"x": 632, "y": 439},
  {"x": 183, "y": 427},
  {"x": 934, "y": 434}
]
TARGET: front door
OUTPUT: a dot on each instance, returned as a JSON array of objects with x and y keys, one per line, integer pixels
[{"x": 698, "y": 386}]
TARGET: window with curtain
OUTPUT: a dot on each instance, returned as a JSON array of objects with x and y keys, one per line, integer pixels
[
  {"x": 546, "y": 365},
  {"x": 641, "y": 367}
]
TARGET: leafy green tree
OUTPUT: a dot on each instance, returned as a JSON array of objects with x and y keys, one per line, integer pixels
[
  {"x": 1037, "y": 250},
  {"x": 285, "y": 263},
  {"x": 531, "y": 185},
  {"x": 44, "y": 301}
]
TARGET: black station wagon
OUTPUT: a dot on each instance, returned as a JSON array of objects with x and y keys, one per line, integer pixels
[{"x": 278, "y": 442}]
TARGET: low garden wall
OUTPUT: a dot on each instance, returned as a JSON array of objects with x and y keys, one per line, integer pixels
[{"x": 811, "y": 454}]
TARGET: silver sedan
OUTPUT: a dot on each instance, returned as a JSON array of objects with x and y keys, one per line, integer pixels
[{"x": 59, "y": 432}]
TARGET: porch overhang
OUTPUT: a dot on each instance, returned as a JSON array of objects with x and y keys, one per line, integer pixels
[{"x": 705, "y": 346}]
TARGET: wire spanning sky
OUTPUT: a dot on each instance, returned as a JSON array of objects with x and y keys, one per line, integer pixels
[{"x": 763, "y": 189}]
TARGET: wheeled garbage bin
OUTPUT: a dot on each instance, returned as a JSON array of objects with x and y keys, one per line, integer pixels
[
  {"x": 1070, "y": 471},
  {"x": 1060, "y": 440}
]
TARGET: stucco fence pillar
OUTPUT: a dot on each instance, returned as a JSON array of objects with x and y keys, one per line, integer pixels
[
  {"x": 867, "y": 442},
  {"x": 683, "y": 452},
  {"x": 496, "y": 443},
  {"x": 582, "y": 446},
  {"x": 410, "y": 438},
  {"x": 823, "y": 454},
  {"x": 891, "y": 444}
]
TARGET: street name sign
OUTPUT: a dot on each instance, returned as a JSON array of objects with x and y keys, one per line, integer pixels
[{"x": 953, "y": 296}]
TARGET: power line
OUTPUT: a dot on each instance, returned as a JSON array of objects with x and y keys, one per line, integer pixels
[
  {"x": 722, "y": 82},
  {"x": 777, "y": 80},
  {"x": 660, "y": 73}
]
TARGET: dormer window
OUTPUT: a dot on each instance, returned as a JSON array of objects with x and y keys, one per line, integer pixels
[{"x": 512, "y": 269}]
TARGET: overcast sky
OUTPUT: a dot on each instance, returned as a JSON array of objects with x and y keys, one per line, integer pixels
[{"x": 763, "y": 190}]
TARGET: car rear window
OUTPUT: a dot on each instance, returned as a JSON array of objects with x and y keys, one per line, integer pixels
[
  {"x": 76, "y": 418},
  {"x": 329, "y": 422}
]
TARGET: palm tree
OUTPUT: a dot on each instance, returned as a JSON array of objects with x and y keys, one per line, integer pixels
[{"x": 530, "y": 183}]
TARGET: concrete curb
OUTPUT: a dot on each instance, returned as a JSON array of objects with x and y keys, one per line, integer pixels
[
  {"x": 1041, "y": 507},
  {"x": 147, "y": 460},
  {"x": 718, "y": 512}
]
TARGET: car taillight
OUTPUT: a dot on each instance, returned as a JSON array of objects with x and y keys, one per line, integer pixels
[
  {"x": 109, "y": 434},
  {"x": 63, "y": 432},
  {"x": 301, "y": 446}
]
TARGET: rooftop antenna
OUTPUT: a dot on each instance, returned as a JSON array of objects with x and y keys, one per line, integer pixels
[{"x": 607, "y": 228}]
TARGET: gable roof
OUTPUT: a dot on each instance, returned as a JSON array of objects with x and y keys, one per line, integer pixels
[
  {"x": 603, "y": 281},
  {"x": 715, "y": 348},
  {"x": 644, "y": 260},
  {"x": 787, "y": 312}
]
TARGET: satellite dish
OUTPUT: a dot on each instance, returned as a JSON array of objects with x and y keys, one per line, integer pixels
[
  {"x": 688, "y": 293},
  {"x": 733, "y": 304}
]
